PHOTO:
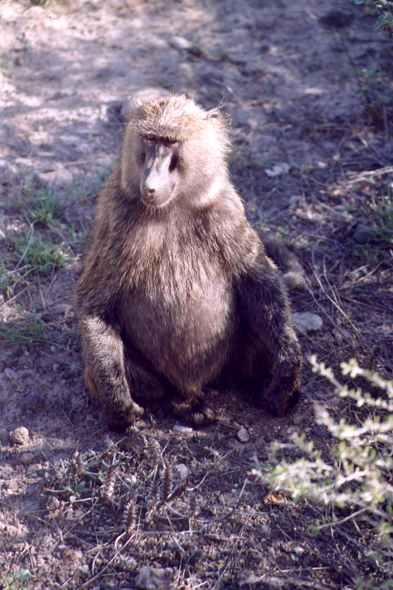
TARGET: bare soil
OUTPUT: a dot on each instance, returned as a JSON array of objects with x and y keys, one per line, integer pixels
[{"x": 81, "y": 507}]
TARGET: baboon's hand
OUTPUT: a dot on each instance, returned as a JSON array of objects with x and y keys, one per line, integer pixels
[
  {"x": 284, "y": 391},
  {"x": 120, "y": 418}
]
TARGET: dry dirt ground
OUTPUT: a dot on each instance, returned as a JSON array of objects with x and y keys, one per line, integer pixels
[{"x": 308, "y": 86}]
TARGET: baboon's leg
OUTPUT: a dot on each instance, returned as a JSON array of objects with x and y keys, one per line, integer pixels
[
  {"x": 145, "y": 383},
  {"x": 142, "y": 379},
  {"x": 266, "y": 319}
]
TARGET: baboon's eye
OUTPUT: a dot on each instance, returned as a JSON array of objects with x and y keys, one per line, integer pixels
[
  {"x": 171, "y": 140},
  {"x": 150, "y": 137},
  {"x": 174, "y": 161}
]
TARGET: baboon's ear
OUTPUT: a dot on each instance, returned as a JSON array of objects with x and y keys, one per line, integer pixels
[
  {"x": 129, "y": 106},
  {"x": 214, "y": 113}
]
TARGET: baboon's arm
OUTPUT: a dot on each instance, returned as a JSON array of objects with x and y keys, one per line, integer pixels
[
  {"x": 266, "y": 316},
  {"x": 105, "y": 373}
]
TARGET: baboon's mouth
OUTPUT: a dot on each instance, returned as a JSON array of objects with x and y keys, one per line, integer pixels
[{"x": 152, "y": 202}]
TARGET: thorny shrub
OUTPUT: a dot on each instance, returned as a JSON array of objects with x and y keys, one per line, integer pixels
[
  {"x": 356, "y": 474},
  {"x": 384, "y": 9}
]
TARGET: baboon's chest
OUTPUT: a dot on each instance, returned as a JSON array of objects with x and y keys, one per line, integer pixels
[{"x": 181, "y": 311}]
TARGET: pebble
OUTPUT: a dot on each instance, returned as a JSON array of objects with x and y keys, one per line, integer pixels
[
  {"x": 321, "y": 431},
  {"x": 32, "y": 401},
  {"x": 154, "y": 578},
  {"x": 297, "y": 418},
  {"x": 307, "y": 322},
  {"x": 180, "y": 43},
  {"x": 53, "y": 503},
  {"x": 243, "y": 435},
  {"x": 182, "y": 429},
  {"x": 130, "y": 562},
  {"x": 183, "y": 471},
  {"x": 20, "y": 435},
  {"x": 278, "y": 170},
  {"x": 62, "y": 308},
  {"x": 363, "y": 234},
  {"x": 27, "y": 458},
  {"x": 11, "y": 374}
]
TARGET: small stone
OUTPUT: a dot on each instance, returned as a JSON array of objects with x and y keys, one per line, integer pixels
[
  {"x": 297, "y": 418},
  {"x": 130, "y": 563},
  {"x": 243, "y": 435},
  {"x": 307, "y": 322},
  {"x": 53, "y": 503},
  {"x": 183, "y": 471},
  {"x": 238, "y": 58},
  {"x": 293, "y": 202},
  {"x": 229, "y": 499},
  {"x": 363, "y": 234},
  {"x": 11, "y": 374},
  {"x": 20, "y": 435},
  {"x": 321, "y": 431},
  {"x": 32, "y": 401},
  {"x": 278, "y": 170},
  {"x": 27, "y": 458},
  {"x": 134, "y": 442},
  {"x": 154, "y": 578},
  {"x": 72, "y": 554},
  {"x": 182, "y": 429},
  {"x": 62, "y": 308},
  {"x": 180, "y": 43}
]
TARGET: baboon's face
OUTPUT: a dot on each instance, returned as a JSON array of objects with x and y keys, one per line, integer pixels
[
  {"x": 174, "y": 152},
  {"x": 159, "y": 176}
]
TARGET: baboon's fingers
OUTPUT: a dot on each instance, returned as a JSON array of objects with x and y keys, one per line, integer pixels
[
  {"x": 120, "y": 419},
  {"x": 137, "y": 409},
  {"x": 283, "y": 392},
  {"x": 120, "y": 416},
  {"x": 195, "y": 413}
]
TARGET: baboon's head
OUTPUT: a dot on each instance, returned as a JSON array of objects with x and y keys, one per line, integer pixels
[{"x": 174, "y": 150}]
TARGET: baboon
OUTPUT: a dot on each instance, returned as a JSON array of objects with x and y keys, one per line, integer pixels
[{"x": 176, "y": 292}]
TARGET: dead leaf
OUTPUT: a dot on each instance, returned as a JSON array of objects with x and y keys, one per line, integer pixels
[{"x": 274, "y": 498}]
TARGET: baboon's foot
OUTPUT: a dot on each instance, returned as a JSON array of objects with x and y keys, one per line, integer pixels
[
  {"x": 194, "y": 412},
  {"x": 295, "y": 280}
]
